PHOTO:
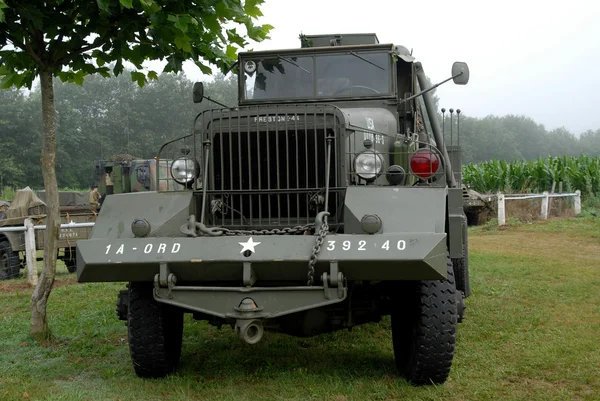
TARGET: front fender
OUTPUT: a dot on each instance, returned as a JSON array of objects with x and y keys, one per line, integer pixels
[
  {"x": 165, "y": 211},
  {"x": 401, "y": 209}
]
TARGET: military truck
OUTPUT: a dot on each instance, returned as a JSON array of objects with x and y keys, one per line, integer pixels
[
  {"x": 317, "y": 204},
  {"x": 125, "y": 173}
]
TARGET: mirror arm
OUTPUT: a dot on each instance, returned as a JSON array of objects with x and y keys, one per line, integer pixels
[
  {"x": 429, "y": 89},
  {"x": 219, "y": 103},
  {"x": 435, "y": 124}
]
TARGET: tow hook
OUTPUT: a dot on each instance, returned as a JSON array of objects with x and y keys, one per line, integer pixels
[{"x": 249, "y": 330}]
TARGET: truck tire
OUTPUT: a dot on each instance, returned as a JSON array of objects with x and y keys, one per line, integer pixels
[
  {"x": 155, "y": 333},
  {"x": 473, "y": 217},
  {"x": 461, "y": 267},
  {"x": 10, "y": 263},
  {"x": 424, "y": 329},
  {"x": 70, "y": 260},
  {"x": 461, "y": 273}
]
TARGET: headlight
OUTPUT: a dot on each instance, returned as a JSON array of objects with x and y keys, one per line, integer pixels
[
  {"x": 368, "y": 165},
  {"x": 184, "y": 170}
]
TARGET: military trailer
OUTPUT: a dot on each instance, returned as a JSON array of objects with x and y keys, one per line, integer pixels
[
  {"x": 319, "y": 203},
  {"x": 74, "y": 208}
]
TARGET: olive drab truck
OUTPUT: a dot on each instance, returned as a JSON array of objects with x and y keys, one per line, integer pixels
[
  {"x": 318, "y": 203},
  {"x": 124, "y": 173}
]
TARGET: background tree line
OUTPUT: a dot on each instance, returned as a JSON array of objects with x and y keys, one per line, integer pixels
[{"x": 104, "y": 117}]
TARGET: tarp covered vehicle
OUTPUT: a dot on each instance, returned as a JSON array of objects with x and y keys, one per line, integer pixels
[
  {"x": 318, "y": 204},
  {"x": 74, "y": 208}
]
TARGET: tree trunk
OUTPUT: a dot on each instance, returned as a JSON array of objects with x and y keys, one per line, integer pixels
[{"x": 39, "y": 298}]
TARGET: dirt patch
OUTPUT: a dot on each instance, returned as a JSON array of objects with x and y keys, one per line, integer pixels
[{"x": 14, "y": 286}]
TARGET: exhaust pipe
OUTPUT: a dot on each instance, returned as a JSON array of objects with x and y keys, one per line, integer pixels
[{"x": 249, "y": 331}]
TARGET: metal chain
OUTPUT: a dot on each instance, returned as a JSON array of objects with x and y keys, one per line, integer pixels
[
  {"x": 312, "y": 262},
  {"x": 275, "y": 231},
  {"x": 193, "y": 228}
]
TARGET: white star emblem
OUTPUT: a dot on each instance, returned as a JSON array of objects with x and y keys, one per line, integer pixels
[{"x": 248, "y": 245}]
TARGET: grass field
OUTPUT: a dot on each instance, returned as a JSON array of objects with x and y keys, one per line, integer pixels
[{"x": 531, "y": 332}]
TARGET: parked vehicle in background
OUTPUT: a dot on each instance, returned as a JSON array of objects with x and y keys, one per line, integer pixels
[
  {"x": 74, "y": 208},
  {"x": 133, "y": 175}
]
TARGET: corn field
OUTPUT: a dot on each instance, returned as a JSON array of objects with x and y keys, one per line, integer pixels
[{"x": 535, "y": 176}]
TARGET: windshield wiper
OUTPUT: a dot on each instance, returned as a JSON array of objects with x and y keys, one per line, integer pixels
[
  {"x": 364, "y": 59},
  {"x": 293, "y": 63}
]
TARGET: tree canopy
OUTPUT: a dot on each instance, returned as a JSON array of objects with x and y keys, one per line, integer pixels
[{"x": 77, "y": 38}]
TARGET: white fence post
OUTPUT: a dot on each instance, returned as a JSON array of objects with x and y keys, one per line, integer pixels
[
  {"x": 31, "y": 253},
  {"x": 545, "y": 206},
  {"x": 577, "y": 202},
  {"x": 501, "y": 210}
]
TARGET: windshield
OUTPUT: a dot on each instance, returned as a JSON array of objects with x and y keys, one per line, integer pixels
[{"x": 313, "y": 76}]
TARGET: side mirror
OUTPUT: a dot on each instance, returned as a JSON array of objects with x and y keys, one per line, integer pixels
[
  {"x": 198, "y": 92},
  {"x": 460, "y": 73}
]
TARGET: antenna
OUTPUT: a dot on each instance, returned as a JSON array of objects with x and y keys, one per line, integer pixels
[
  {"x": 443, "y": 122},
  {"x": 451, "y": 111},
  {"x": 458, "y": 132}
]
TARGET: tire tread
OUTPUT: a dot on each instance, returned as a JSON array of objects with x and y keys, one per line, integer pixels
[{"x": 155, "y": 333}]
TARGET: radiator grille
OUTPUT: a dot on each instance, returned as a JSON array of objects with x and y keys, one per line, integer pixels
[{"x": 273, "y": 175}]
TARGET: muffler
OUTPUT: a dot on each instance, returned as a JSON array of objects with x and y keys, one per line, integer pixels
[{"x": 249, "y": 331}]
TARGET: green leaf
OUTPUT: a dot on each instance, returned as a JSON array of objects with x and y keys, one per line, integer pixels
[
  {"x": 79, "y": 77},
  {"x": 152, "y": 75},
  {"x": 205, "y": 69},
  {"x": 183, "y": 42},
  {"x": 231, "y": 52},
  {"x": 150, "y": 6},
  {"x": 251, "y": 8},
  {"x": 10, "y": 80},
  {"x": 2, "y": 6},
  {"x": 210, "y": 21},
  {"x": 139, "y": 78},
  {"x": 126, "y": 3},
  {"x": 103, "y": 4}
]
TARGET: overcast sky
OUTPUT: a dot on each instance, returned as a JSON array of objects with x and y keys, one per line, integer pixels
[{"x": 536, "y": 58}]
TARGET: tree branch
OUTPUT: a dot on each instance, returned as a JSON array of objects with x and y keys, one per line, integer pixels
[
  {"x": 16, "y": 43},
  {"x": 97, "y": 43},
  {"x": 39, "y": 38},
  {"x": 32, "y": 53},
  {"x": 28, "y": 49}
]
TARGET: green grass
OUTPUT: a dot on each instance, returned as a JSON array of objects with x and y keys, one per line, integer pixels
[{"x": 531, "y": 333}]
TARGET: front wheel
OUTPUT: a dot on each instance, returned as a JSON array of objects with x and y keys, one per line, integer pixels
[
  {"x": 155, "y": 333},
  {"x": 10, "y": 263},
  {"x": 424, "y": 323},
  {"x": 70, "y": 260}
]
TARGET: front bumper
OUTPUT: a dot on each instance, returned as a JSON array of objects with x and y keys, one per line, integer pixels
[{"x": 401, "y": 256}]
